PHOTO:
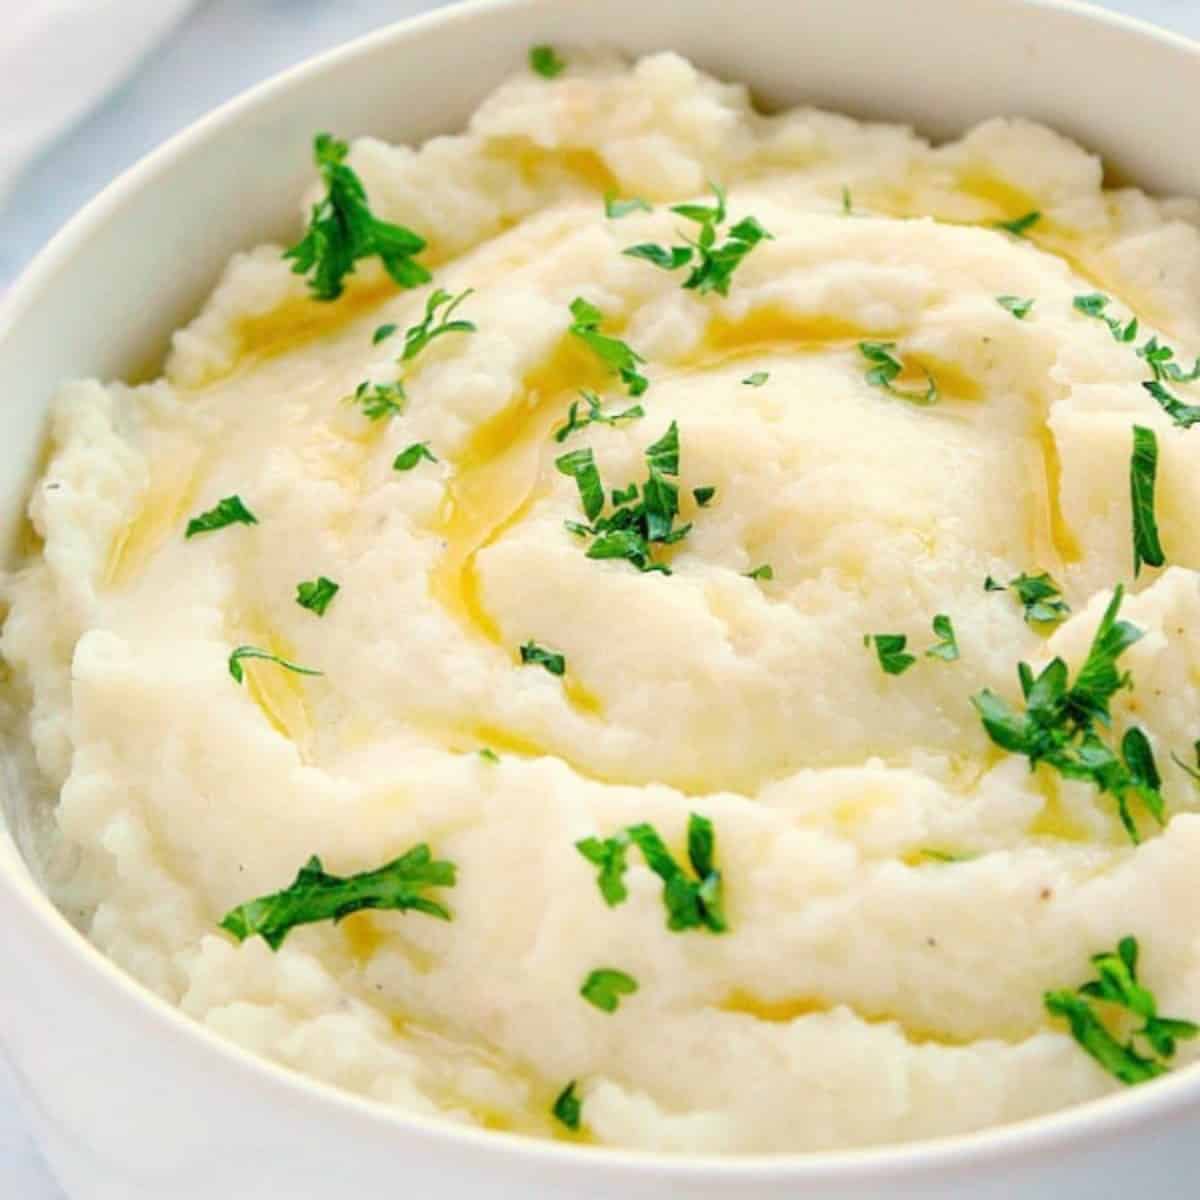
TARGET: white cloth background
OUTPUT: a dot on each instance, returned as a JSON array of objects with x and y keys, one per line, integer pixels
[{"x": 89, "y": 86}]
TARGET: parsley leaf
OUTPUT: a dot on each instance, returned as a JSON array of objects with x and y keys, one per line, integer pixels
[
  {"x": 1040, "y": 596},
  {"x": 889, "y": 647},
  {"x": 379, "y": 400},
  {"x": 615, "y": 209},
  {"x": 382, "y": 334},
  {"x": 605, "y": 986},
  {"x": 409, "y": 457},
  {"x": 885, "y": 368},
  {"x": 1161, "y": 361},
  {"x": 316, "y": 594},
  {"x": 691, "y": 903},
  {"x": 243, "y": 652},
  {"x": 1095, "y": 305},
  {"x": 1147, "y": 1052},
  {"x": 317, "y": 896},
  {"x": 756, "y": 378},
  {"x": 544, "y": 61},
  {"x": 553, "y": 662},
  {"x": 762, "y": 572},
  {"x": 568, "y": 1108},
  {"x": 1143, "y": 470},
  {"x": 703, "y": 495},
  {"x": 1061, "y": 722},
  {"x": 1019, "y": 226},
  {"x": 1193, "y": 772},
  {"x": 947, "y": 647},
  {"x": 230, "y": 511},
  {"x": 1015, "y": 305},
  {"x": 713, "y": 263},
  {"x": 1184, "y": 415},
  {"x": 342, "y": 230},
  {"x": 616, "y": 355},
  {"x": 847, "y": 202},
  {"x": 580, "y": 465},
  {"x": 595, "y": 415},
  {"x": 488, "y": 754},
  {"x": 433, "y": 325}
]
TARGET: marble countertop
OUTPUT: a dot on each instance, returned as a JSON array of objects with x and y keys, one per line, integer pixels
[{"x": 224, "y": 47}]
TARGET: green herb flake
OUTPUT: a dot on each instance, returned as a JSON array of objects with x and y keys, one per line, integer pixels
[
  {"x": 532, "y": 653},
  {"x": 230, "y": 511},
  {"x": 946, "y": 857},
  {"x": 409, "y": 457},
  {"x": 342, "y": 230},
  {"x": 544, "y": 61},
  {"x": 580, "y": 465},
  {"x": 435, "y": 324},
  {"x": 245, "y": 652},
  {"x": 383, "y": 333},
  {"x": 316, "y": 896},
  {"x": 568, "y": 1108},
  {"x": 712, "y": 262},
  {"x": 1147, "y": 1052},
  {"x": 379, "y": 400},
  {"x": 1015, "y": 305},
  {"x": 615, "y": 354},
  {"x": 847, "y": 202},
  {"x": 316, "y": 594},
  {"x": 615, "y": 208},
  {"x": 1062, "y": 722},
  {"x": 1184, "y": 415},
  {"x": 1041, "y": 599},
  {"x": 691, "y": 902},
  {"x": 1192, "y": 772},
  {"x": 764, "y": 572},
  {"x": 703, "y": 496},
  {"x": 756, "y": 378},
  {"x": 1095, "y": 305},
  {"x": 885, "y": 368},
  {"x": 890, "y": 649},
  {"x": 1143, "y": 470},
  {"x": 488, "y": 754},
  {"x": 605, "y": 986},
  {"x": 946, "y": 647},
  {"x": 577, "y": 419},
  {"x": 1160, "y": 359},
  {"x": 1019, "y": 226}
]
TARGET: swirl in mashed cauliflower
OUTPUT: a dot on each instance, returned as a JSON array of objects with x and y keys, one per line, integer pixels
[{"x": 900, "y": 892}]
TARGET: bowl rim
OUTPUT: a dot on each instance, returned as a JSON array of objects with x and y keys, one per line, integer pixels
[{"x": 1119, "y": 1111}]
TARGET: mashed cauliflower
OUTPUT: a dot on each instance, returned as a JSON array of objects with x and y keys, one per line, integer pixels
[{"x": 900, "y": 892}]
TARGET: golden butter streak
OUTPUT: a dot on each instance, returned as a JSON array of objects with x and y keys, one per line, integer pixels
[
  {"x": 279, "y": 693},
  {"x": 163, "y": 513}
]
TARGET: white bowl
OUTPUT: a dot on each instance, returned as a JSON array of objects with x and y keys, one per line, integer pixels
[{"x": 129, "y": 1099}]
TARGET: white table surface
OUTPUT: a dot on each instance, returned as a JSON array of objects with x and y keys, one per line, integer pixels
[{"x": 223, "y": 48}]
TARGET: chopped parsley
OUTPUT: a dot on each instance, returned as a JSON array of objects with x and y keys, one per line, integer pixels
[
  {"x": 568, "y": 1108},
  {"x": 595, "y": 415},
  {"x": 379, "y": 400},
  {"x": 316, "y": 594},
  {"x": 616, "y": 355},
  {"x": 1040, "y": 596},
  {"x": 885, "y": 368},
  {"x": 605, "y": 986},
  {"x": 1095, "y": 305},
  {"x": 890, "y": 649},
  {"x": 382, "y": 333},
  {"x": 230, "y": 511},
  {"x": 317, "y": 896},
  {"x": 544, "y": 61},
  {"x": 1062, "y": 722},
  {"x": 946, "y": 648},
  {"x": 712, "y": 263},
  {"x": 1143, "y": 470},
  {"x": 1160, "y": 359},
  {"x": 1015, "y": 305},
  {"x": 1146, "y": 1053},
  {"x": 615, "y": 208},
  {"x": 756, "y": 378},
  {"x": 847, "y": 202},
  {"x": 765, "y": 571},
  {"x": 1184, "y": 415},
  {"x": 1019, "y": 226},
  {"x": 435, "y": 324},
  {"x": 488, "y": 754},
  {"x": 342, "y": 230},
  {"x": 1193, "y": 772},
  {"x": 946, "y": 857},
  {"x": 244, "y": 652},
  {"x": 691, "y": 903},
  {"x": 409, "y": 457},
  {"x": 539, "y": 656},
  {"x": 703, "y": 496},
  {"x": 637, "y": 522}
]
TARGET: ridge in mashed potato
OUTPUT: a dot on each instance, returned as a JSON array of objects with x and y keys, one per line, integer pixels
[{"x": 900, "y": 893}]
